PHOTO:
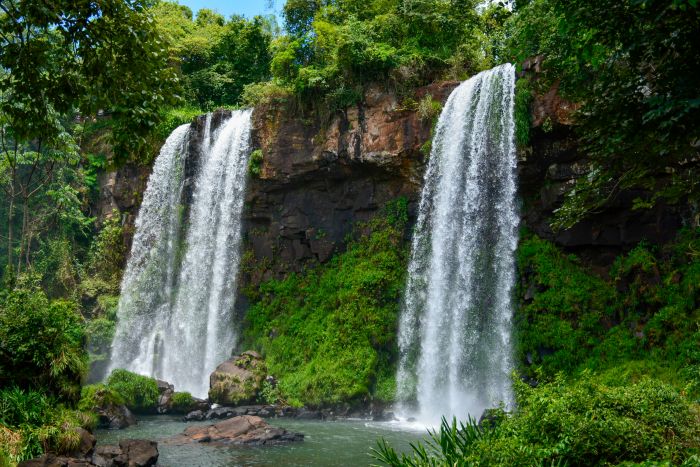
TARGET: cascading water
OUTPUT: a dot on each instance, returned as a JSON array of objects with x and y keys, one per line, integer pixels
[
  {"x": 455, "y": 325},
  {"x": 175, "y": 316}
]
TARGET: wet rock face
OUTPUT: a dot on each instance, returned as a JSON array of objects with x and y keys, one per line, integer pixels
[
  {"x": 246, "y": 429},
  {"x": 320, "y": 176},
  {"x": 122, "y": 190}
]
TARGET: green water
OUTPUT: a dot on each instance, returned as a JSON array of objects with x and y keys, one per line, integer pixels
[{"x": 339, "y": 443}]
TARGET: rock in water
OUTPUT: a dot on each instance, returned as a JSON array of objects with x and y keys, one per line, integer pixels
[
  {"x": 245, "y": 429},
  {"x": 137, "y": 453},
  {"x": 237, "y": 380},
  {"x": 115, "y": 416},
  {"x": 165, "y": 396}
]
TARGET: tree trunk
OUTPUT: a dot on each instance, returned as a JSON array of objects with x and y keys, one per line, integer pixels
[{"x": 10, "y": 229}]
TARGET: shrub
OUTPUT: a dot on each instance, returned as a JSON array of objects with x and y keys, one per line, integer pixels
[
  {"x": 107, "y": 253},
  {"x": 429, "y": 109},
  {"x": 640, "y": 320},
  {"x": 32, "y": 422},
  {"x": 94, "y": 396},
  {"x": 182, "y": 401},
  {"x": 140, "y": 393},
  {"x": 255, "y": 163},
  {"x": 575, "y": 424},
  {"x": 266, "y": 93},
  {"x": 562, "y": 306},
  {"x": 41, "y": 343}
]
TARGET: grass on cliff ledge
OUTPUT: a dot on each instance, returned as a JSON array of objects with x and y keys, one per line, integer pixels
[{"x": 329, "y": 333}]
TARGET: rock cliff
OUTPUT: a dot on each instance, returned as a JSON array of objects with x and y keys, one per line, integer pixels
[{"x": 319, "y": 176}]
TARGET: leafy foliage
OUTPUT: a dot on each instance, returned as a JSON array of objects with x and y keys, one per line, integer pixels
[
  {"x": 523, "y": 99},
  {"x": 335, "y": 47},
  {"x": 255, "y": 163},
  {"x": 64, "y": 55},
  {"x": 182, "y": 401},
  {"x": 140, "y": 393},
  {"x": 94, "y": 396},
  {"x": 634, "y": 66},
  {"x": 644, "y": 316},
  {"x": 328, "y": 334},
  {"x": 41, "y": 343},
  {"x": 217, "y": 58},
  {"x": 32, "y": 422},
  {"x": 563, "y": 423}
]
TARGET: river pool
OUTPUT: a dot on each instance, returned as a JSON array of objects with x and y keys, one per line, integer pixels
[{"x": 326, "y": 443}]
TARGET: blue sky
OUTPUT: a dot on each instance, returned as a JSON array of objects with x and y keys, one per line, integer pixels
[{"x": 247, "y": 8}]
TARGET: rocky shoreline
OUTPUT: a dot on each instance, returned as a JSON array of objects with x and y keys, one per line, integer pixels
[{"x": 128, "y": 453}]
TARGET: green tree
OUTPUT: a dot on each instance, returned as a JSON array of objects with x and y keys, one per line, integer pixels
[
  {"x": 216, "y": 58},
  {"x": 633, "y": 64},
  {"x": 64, "y": 56}
]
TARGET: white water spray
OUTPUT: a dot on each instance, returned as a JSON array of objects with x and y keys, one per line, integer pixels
[
  {"x": 175, "y": 316},
  {"x": 455, "y": 326}
]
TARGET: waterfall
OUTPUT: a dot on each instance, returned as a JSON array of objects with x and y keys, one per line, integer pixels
[
  {"x": 455, "y": 326},
  {"x": 175, "y": 315}
]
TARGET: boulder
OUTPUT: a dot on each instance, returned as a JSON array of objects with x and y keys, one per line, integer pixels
[
  {"x": 194, "y": 416},
  {"x": 129, "y": 453},
  {"x": 87, "y": 444},
  {"x": 137, "y": 453},
  {"x": 245, "y": 429},
  {"x": 115, "y": 416},
  {"x": 165, "y": 395},
  {"x": 384, "y": 416},
  {"x": 237, "y": 380}
]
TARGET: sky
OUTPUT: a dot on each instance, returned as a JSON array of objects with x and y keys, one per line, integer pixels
[{"x": 247, "y": 8}]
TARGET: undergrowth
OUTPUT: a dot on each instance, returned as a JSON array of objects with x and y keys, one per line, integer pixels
[
  {"x": 642, "y": 319},
  {"x": 328, "y": 333}
]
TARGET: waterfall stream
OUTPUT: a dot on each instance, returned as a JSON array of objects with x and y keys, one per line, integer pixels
[
  {"x": 175, "y": 315},
  {"x": 455, "y": 325}
]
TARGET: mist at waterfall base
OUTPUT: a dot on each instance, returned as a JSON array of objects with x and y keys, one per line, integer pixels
[
  {"x": 455, "y": 325},
  {"x": 175, "y": 315}
]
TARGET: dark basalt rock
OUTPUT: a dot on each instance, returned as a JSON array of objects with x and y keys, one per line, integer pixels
[
  {"x": 384, "y": 416},
  {"x": 165, "y": 391},
  {"x": 115, "y": 416},
  {"x": 306, "y": 414},
  {"x": 194, "y": 416},
  {"x": 245, "y": 429},
  {"x": 218, "y": 413},
  {"x": 129, "y": 453},
  {"x": 137, "y": 453}
]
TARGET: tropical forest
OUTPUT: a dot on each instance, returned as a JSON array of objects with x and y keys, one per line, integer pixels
[{"x": 407, "y": 233}]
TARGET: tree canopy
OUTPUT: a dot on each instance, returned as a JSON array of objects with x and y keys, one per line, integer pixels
[{"x": 634, "y": 67}]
